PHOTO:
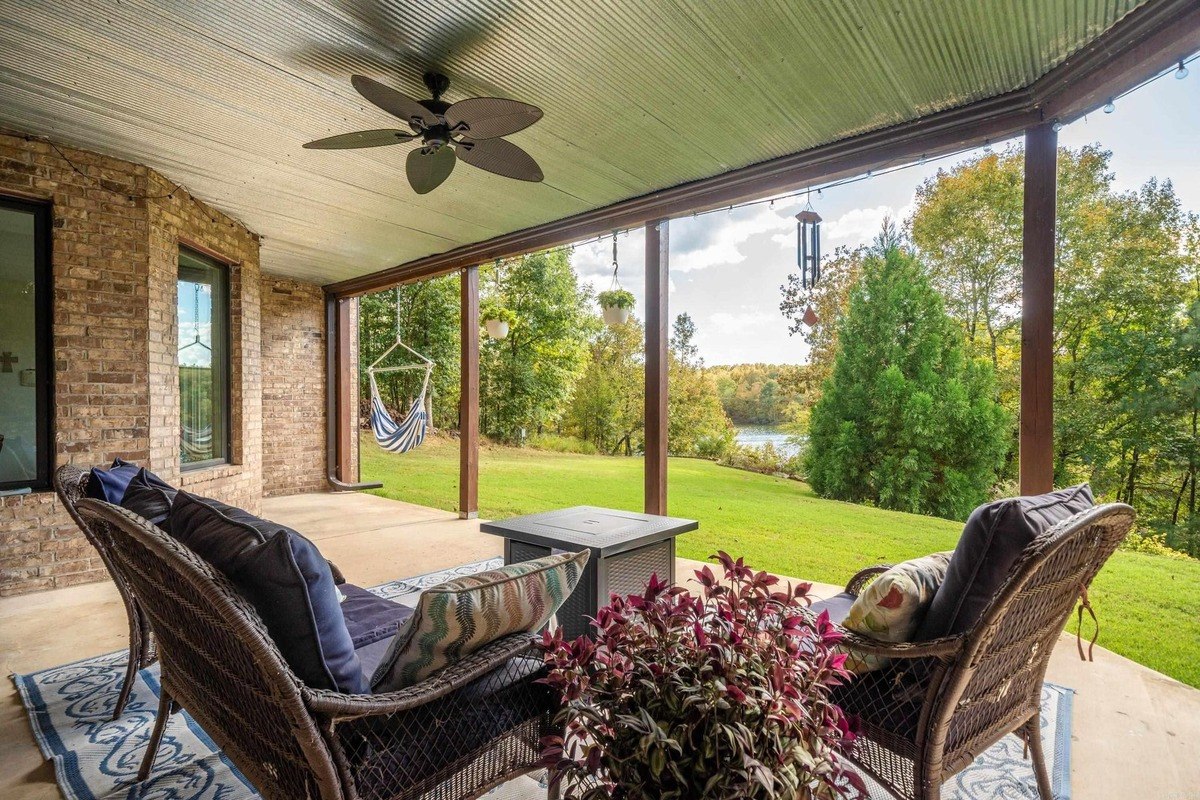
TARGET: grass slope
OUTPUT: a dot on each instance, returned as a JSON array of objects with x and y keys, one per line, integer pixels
[{"x": 1149, "y": 606}]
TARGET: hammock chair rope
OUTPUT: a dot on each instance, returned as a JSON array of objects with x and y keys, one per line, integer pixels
[{"x": 409, "y": 432}]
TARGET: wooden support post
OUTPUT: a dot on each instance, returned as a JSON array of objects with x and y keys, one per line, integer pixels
[
  {"x": 657, "y": 284},
  {"x": 1037, "y": 311},
  {"x": 468, "y": 404},
  {"x": 347, "y": 470}
]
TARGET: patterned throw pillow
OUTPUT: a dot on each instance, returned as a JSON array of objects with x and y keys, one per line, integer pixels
[
  {"x": 893, "y": 605},
  {"x": 456, "y": 618}
]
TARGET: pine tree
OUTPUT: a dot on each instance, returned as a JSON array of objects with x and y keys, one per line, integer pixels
[{"x": 906, "y": 421}]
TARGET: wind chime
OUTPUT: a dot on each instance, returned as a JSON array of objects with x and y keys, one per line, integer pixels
[{"x": 808, "y": 255}]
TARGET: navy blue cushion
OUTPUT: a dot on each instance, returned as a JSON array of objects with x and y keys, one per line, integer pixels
[
  {"x": 285, "y": 578},
  {"x": 838, "y": 606},
  {"x": 370, "y": 617},
  {"x": 109, "y": 484},
  {"x": 992, "y": 540},
  {"x": 149, "y": 496}
]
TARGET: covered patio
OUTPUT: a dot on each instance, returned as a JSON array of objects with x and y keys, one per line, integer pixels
[
  {"x": 154, "y": 152},
  {"x": 1125, "y": 714}
]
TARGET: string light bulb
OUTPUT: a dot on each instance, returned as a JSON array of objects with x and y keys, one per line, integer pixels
[
  {"x": 1181, "y": 72},
  {"x": 1110, "y": 106},
  {"x": 1057, "y": 126}
]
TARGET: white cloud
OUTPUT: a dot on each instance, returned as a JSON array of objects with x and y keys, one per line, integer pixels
[{"x": 726, "y": 322}]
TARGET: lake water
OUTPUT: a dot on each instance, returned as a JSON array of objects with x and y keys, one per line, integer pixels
[{"x": 758, "y": 435}]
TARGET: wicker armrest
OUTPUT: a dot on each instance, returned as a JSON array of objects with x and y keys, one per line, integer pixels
[
  {"x": 944, "y": 647},
  {"x": 343, "y": 706},
  {"x": 864, "y": 576}
]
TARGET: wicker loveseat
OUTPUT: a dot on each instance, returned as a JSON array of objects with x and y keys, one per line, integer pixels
[
  {"x": 455, "y": 735},
  {"x": 938, "y": 704}
]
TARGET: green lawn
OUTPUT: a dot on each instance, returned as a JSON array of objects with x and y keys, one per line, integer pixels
[{"x": 1149, "y": 606}]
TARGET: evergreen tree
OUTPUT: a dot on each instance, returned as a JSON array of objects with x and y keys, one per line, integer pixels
[{"x": 906, "y": 421}]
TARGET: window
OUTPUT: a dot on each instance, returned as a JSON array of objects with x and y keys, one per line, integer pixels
[
  {"x": 25, "y": 346},
  {"x": 203, "y": 308}
]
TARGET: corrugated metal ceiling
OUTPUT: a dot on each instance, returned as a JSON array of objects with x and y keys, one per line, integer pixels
[{"x": 638, "y": 95}]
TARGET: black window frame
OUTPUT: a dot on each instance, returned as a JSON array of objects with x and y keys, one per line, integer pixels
[
  {"x": 43, "y": 322},
  {"x": 223, "y": 268}
]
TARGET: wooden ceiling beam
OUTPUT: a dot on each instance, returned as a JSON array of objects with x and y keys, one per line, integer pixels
[{"x": 1139, "y": 46}]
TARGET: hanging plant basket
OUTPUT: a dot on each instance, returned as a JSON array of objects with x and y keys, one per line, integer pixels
[
  {"x": 497, "y": 321},
  {"x": 616, "y": 305}
]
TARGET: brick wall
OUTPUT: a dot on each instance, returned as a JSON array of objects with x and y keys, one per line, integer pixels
[
  {"x": 293, "y": 395},
  {"x": 115, "y": 264}
]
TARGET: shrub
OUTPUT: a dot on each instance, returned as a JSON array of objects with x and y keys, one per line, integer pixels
[
  {"x": 712, "y": 697},
  {"x": 557, "y": 443},
  {"x": 1153, "y": 544},
  {"x": 762, "y": 458}
]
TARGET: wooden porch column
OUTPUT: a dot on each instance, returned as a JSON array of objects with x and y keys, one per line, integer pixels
[
  {"x": 1037, "y": 311},
  {"x": 657, "y": 284},
  {"x": 347, "y": 470},
  {"x": 468, "y": 403}
]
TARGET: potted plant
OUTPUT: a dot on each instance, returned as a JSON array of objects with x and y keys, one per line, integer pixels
[
  {"x": 497, "y": 320},
  {"x": 711, "y": 697},
  {"x": 616, "y": 304}
]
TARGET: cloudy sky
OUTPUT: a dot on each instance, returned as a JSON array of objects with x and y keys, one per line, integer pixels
[{"x": 727, "y": 267}]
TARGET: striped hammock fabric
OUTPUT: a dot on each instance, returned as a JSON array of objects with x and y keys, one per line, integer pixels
[{"x": 402, "y": 436}]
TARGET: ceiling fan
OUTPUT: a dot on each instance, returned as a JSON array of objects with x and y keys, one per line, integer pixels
[{"x": 469, "y": 130}]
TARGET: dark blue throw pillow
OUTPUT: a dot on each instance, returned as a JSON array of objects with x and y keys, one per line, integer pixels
[
  {"x": 285, "y": 578},
  {"x": 109, "y": 484},
  {"x": 993, "y": 539},
  {"x": 149, "y": 496}
]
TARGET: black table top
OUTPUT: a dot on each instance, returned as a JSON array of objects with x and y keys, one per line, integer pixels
[{"x": 604, "y": 530}]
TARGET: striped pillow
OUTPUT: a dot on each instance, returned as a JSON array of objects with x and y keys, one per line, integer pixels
[{"x": 456, "y": 618}]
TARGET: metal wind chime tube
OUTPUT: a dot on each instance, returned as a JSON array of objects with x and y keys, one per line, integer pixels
[{"x": 808, "y": 250}]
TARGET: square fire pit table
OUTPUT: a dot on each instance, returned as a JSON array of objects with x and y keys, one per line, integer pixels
[{"x": 627, "y": 548}]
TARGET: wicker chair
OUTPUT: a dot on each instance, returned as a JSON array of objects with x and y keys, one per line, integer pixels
[
  {"x": 457, "y": 734},
  {"x": 939, "y": 704},
  {"x": 70, "y": 484}
]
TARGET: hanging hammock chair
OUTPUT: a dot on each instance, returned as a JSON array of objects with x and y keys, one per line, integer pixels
[{"x": 408, "y": 433}]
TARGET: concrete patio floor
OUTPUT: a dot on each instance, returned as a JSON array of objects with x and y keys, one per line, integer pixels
[{"x": 1136, "y": 732}]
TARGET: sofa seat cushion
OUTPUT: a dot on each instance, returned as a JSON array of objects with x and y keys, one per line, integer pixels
[
  {"x": 456, "y": 618},
  {"x": 838, "y": 606},
  {"x": 287, "y": 581},
  {"x": 150, "y": 497},
  {"x": 369, "y": 617},
  {"x": 993, "y": 539},
  {"x": 893, "y": 605}
]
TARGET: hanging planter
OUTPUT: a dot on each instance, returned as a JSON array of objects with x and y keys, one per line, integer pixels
[
  {"x": 497, "y": 320},
  {"x": 616, "y": 304}
]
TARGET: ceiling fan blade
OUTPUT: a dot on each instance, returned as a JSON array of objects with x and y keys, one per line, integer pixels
[
  {"x": 489, "y": 117},
  {"x": 428, "y": 170},
  {"x": 501, "y": 157},
  {"x": 393, "y": 102},
  {"x": 349, "y": 141}
]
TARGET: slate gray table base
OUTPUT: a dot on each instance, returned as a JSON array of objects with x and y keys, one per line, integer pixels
[{"x": 627, "y": 548}]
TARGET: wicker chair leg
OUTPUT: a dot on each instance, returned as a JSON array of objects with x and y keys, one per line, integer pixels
[
  {"x": 1033, "y": 735},
  {"x": 165, "y": 705},
  {"x": 131, "y": 671}
]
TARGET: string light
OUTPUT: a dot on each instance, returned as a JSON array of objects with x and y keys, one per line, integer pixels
[
  {"x": 1110, "y": 106},
  {"x": 1181, "y": 72},
  {"x": 1056, "y": 126}
]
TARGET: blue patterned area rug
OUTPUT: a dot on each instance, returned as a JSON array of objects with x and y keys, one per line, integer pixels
[{"x": 96, "y": 758}]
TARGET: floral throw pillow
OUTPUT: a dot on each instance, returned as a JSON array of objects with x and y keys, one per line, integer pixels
[
  {"x": 456, "y": 618},
  {"x": 891, "y": 608}
]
